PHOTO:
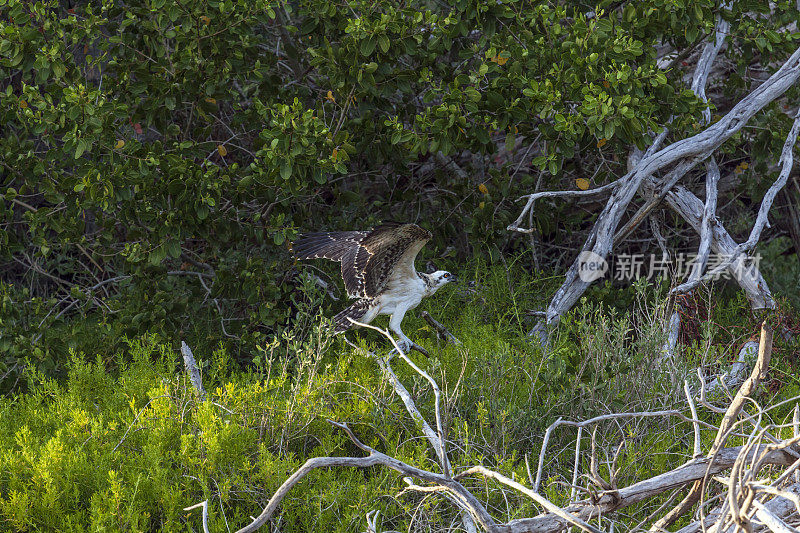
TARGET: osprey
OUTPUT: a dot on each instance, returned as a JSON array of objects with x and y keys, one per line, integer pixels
[{"x": 378, "y": 270}]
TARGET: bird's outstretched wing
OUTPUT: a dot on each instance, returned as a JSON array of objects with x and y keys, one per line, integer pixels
[
  {"x": 369, "y": 259},
  {"x": 333, "y": 245},
  {"x": 392, "y": 249}
]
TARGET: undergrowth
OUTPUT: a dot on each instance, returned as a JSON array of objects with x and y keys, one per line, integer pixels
[{"x": 124, "y": 443}]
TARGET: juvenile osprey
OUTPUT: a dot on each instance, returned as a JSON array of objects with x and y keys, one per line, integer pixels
[{"x": 378, "y": 269}]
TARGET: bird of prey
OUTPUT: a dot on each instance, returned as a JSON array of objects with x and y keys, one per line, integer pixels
[{"x": 378, "y": 270}]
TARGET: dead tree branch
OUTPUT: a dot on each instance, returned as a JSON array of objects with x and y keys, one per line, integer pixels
[
  {"x": 441, "y": 331},
  {"x": 750, "y": 501},
  {"x": 786, "y": 162},
  {"x": 192, "y": 370},
  {"x": 746, "y": 390},
  {"x": 685, "y": 154}
]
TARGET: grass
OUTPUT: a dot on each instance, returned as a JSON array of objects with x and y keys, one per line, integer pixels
[{"x": 123, "y": 443}]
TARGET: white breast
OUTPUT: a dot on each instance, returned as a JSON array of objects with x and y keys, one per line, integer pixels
[{"x": 402, "y": 293}]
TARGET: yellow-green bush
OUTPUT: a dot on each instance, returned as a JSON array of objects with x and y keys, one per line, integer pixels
[{"x": 124, "y": 443}]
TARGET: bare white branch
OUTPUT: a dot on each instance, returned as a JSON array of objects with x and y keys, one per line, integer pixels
[
  {"x": 438, "y": 440},
  {"x": 528, "y": 209},
  {"x": 535, "y": 496},
  {"x": 204, "y": 505},
  {"x": 192, "y": 370},
  {"x": 686, "y": 153},
  {"x": 786, "y": 161},
  {"x": 696, "y": 449}
]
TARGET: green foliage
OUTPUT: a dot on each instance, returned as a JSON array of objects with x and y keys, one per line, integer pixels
[
  {"x": 124, "y": 443},
  {"x": 157, "y": 156},
  {"x": 129, "y": 452}
]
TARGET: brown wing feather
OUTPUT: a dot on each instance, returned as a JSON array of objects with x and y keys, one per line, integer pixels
[
  {"x": 354, "y": 264},
  {"x": 368, "y": 258},
  {"x": 327, "y": 245},
  {"x": 389, "y": 246}
]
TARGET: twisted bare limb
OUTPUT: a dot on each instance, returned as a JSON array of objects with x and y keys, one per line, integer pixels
[
  {"x": 746, "y": 390},
  {"x": 374, "y": 458},
  {"x": 437, "y": 438},
  {"x": 748, "y": 498},
  {"x": 786, "y": 162},
  {"x": 686, "y": 154}
]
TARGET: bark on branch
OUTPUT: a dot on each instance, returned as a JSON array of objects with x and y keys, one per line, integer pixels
[
  {"x": 686, "y": 154},
  {"x": 749, "y": 499}
]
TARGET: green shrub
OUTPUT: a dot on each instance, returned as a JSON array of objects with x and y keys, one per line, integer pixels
[
  {"x": 124, "y": 443},
  {"x": 158, "y": 155}
]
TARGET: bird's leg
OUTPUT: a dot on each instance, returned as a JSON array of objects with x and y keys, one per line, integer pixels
[
  {"x": 404, "y": 343},
  {"x": 407, "y": 345}
]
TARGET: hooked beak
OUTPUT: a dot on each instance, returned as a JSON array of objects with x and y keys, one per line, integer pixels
[{"x": 453, "y": 278}]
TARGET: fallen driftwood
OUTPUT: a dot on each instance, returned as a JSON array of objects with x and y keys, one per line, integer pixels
[{"x": 750, "y": 499}]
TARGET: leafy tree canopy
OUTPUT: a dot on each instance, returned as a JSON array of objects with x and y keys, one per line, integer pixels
[{"x": 157, "y": 156}]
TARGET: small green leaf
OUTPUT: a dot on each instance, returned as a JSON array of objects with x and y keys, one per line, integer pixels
[
  {"x": 174, "y": 249},
  {"x": 472, "y": 94},
  {"x": 80, "y": 148},
  {"x": 286, "y": 171},
  {"x": 157, "y": 255},
  {"x": 383, "y": 42},
  {"x": 367, "y": 47},
  {"x": 510, "y": 142}
]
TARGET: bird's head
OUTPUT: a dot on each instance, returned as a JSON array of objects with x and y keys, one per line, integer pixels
[{"x": 439, "y": 279}]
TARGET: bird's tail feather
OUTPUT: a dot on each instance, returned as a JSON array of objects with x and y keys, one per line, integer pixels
[{"x": 356, "y": 311}]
